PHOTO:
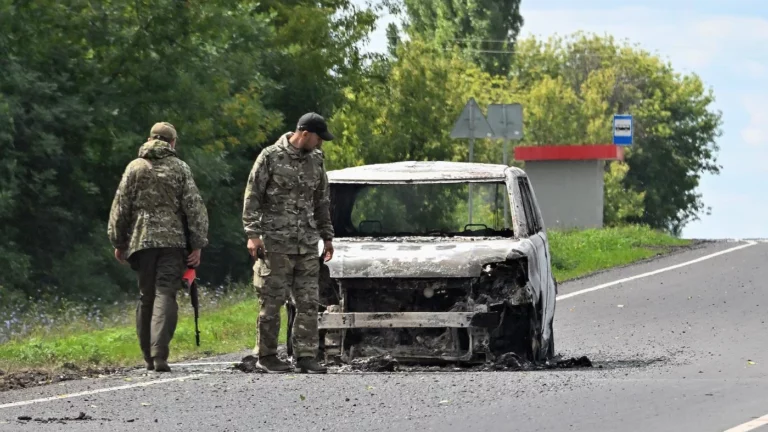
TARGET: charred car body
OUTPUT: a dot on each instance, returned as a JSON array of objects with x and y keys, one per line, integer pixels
[{"x": 436, "y": 260}]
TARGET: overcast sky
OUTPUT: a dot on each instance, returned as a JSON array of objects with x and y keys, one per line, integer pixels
[{"x": 725, "y": 42}]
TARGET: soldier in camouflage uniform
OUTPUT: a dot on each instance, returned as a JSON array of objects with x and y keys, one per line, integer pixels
[
  {"x": 285, "y": 214},
  {"x": 157, "y": 216}
]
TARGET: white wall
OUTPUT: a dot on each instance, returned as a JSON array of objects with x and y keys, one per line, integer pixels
[{"x": 570, "y": 193}]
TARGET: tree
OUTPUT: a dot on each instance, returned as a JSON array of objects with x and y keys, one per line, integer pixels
[
  {"x": 620, "y": 203},
  {"x": 593, "y": 78},
  {"x": 408, "y": 114},
  {"x": 315, "y": 52},
  {"x": 485, "y": 29},
  {"x": 570, "y": 90},
  {"x": 82, "y": 83}
]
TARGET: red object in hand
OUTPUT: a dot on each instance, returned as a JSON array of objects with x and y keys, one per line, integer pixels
[{"x": 189, "y": 283}]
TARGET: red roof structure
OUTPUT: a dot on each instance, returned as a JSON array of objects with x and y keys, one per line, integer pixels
[{"x": 569, "y": 152}]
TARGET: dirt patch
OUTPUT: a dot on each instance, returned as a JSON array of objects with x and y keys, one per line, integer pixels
[{"x": 39, "y": 377}]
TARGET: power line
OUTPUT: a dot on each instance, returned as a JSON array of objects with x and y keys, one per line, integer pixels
[
  {"x": 483, "y": 40},
  {"x": 483, "y": 51},
  {"x": 583, "y": 55}
]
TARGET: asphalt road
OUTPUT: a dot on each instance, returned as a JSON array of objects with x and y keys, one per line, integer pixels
[{"x": 680, "y": 350}]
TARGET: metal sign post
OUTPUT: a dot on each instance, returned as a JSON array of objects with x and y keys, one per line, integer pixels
[
  {"x": 507, "y": 123},
  {"x": 471, "y": 124}
]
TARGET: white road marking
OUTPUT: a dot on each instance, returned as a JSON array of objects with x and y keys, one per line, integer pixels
[
  {"x": 101, "y": 390},
  {"x": 750, "y": 425},
  {"x": 746, "y": 427},
  {"x": 651, "y": 273}
]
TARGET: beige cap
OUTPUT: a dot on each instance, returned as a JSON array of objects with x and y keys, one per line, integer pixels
[{"x": 164, "y": 129}]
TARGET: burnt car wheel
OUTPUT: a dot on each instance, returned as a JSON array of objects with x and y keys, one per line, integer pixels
[
  {"x": 535, "y": 335},
  {"x": 543, "y": 353},
  {"x": 520, "y": 333},
  {"x": 551, "y": 352}
]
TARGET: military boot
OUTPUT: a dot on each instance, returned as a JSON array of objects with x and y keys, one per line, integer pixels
[
  {"x": 161, "y": 365},
  {"x": 272, "y": 364},
  {"x": 150, "y": 364},
  {"x": 310, "y": 365}
]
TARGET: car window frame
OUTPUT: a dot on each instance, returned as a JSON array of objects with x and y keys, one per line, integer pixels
[{"x": 533, "y": 223}]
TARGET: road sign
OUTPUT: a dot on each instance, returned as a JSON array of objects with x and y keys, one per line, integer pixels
[
  {"x": 622, "y": 129},
  {"x": 471, "y": 123},
  {"x": 506, "y": 120}
]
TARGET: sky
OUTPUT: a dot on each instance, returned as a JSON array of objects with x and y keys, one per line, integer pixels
[{"x": 724, "y": 42}]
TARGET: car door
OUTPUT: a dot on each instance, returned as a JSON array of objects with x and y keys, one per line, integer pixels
[{"x": 536, "y": 233}]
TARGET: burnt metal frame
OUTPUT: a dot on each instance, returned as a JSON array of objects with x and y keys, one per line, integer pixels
[{"x": 473, "y": 321}]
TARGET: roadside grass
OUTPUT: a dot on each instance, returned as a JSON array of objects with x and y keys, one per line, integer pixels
[
  {"x": 228, "y": 321},
  {"x": 226, "y": 326},
  {"x": 579, "y": 253}
]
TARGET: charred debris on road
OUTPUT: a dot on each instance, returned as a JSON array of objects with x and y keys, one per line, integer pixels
[
  {"x": 385, "y": 363},
  {"x": 24, "y": 419}
]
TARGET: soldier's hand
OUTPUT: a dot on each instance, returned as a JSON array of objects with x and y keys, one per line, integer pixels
[
  {"x": 120, "y": 255},
  {"x": 193, "y": 260},
  {"x": 254, "y": 244},
  {"x": 328, "y": 250}
]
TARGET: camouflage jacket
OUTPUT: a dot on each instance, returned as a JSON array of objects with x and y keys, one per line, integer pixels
[
  {"x": 287, "y": 201},
  {"x": 157, "y": 204}
]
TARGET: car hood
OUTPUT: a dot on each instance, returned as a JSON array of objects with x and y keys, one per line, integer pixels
[{"x": 420, "y": 257}]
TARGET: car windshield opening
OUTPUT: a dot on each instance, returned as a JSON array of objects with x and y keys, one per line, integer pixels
[{"x": 415, "y": 209}]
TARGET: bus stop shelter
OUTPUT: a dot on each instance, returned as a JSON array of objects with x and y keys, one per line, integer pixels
[{"x": 568, "y": 182}]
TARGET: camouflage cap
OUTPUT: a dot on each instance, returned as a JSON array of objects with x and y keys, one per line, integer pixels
[{"x": 164, "y": 129}]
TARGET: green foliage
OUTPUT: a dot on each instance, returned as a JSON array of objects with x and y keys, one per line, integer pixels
[
  {"x": 316, "y": 53},
  {"x": 571, "y": 87},
  {"x": 620, "y": 203},
  {"x": 408, "y": 113},
  {"x": 83, "y": 82},
  {"x": 486, "y": 30}
]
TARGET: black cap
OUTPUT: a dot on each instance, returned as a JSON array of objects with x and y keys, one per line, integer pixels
[{"x": 312, "y": 122}]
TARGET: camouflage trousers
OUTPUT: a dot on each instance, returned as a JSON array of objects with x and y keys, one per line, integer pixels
[
  {"x": 277, "y": 278},
  {"x": 159, "y": 271}
]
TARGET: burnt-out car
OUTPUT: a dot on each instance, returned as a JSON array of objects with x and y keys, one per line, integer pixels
[{"x": 418, "y": 273}]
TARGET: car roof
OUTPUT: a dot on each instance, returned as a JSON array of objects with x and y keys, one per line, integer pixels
[{"x": 423, "y": 172}]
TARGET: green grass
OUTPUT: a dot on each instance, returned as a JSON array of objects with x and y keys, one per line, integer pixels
[
  {"x": 578, "y": 253},
  {"x": 223, "y": 329},
  {"x": 229, "y": 324}
]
